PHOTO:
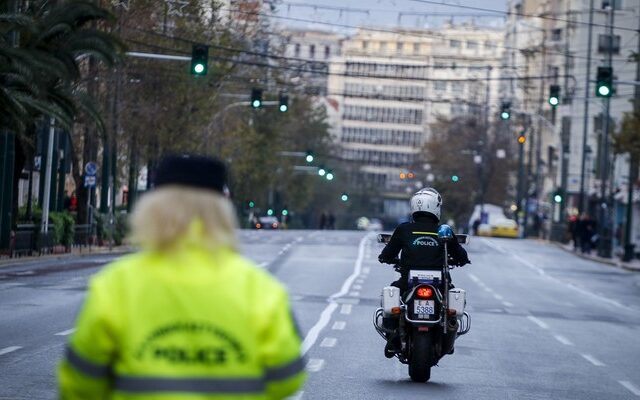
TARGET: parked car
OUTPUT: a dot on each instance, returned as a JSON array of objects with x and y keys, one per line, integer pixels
[{"x": 266, "y": 222}]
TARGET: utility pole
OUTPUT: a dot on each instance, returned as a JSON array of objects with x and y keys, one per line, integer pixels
[
  {"x": 538, "y": 177},
  {"x": 633, "y": 170},
  {"x": 585, "y": 126},
  {"x": 604, "y": 230}
]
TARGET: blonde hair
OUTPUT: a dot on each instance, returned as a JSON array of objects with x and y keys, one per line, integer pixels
[{"x": 164, "y": 216}]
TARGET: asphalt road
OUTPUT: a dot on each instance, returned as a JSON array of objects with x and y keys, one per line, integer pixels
[{"x": 545, "y": 324}]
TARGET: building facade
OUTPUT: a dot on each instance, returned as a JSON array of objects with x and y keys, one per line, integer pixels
[
  {"x": 548, "y": 44},
  {"x": 388, "y": 88}
]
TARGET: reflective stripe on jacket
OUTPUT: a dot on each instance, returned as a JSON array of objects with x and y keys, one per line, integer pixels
[{"x": 190, "y": 324}]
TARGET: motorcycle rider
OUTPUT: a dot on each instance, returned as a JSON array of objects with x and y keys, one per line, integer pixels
[{"x": 415, "y": 243}]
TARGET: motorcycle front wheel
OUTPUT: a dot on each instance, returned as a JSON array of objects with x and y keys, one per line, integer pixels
[{"x": 420, "y": 357}]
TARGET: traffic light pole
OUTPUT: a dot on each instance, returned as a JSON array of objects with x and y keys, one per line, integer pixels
[
  {"x": 585, "y": 126},
  {"x": 604, "y": 228}
]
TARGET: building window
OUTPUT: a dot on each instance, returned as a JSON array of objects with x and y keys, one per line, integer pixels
[
  {"x": 489, "y": 45},
  {"x": 383, "y": 47},
  {"x": 312, "y": 51},
  {"x": 440, "y": 86},
  {"x": 297, "y": 50},
  {"x": 556, "y": 34},
  {"x": 604, "y": 41},
  {"x": 399, "y": 47},
  {"x": 454, "y": 44},
  {"x": 617, "y": 4},
  {"x": 327, "y": 51},
  {"x": 365, "y": 45},
  {"x": 457, "y": 87},
  {"x": 472, "y": 45},
  {"x": 416, "y": 48}
]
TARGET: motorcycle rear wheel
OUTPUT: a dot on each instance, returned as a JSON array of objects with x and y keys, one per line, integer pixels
[{"x": 420, "y": 358}]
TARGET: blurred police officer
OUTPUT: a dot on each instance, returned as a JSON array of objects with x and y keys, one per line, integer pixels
[{"x": 187, "y": 317}]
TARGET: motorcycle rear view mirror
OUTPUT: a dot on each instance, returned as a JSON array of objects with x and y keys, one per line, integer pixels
[
  {"x": 462, "y": 238},
  {"x": 384, "y": 238}
]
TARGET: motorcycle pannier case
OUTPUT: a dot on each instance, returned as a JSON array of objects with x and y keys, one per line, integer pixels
[
  {"x": 457, "y": 300},
  {"x": 390, "y": 298}
]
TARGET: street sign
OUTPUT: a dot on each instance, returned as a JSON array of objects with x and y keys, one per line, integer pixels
[
  {"x": 90, "y": 169},
  {"x": 89, "y": 181}
]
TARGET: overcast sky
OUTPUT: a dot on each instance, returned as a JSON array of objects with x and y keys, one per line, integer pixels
[{"x": 386, "y": 13}]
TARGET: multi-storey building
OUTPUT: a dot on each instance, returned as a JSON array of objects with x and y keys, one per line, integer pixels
[
  {"x": 388, "y": 88},
  {"x": 548, "y": 44}
]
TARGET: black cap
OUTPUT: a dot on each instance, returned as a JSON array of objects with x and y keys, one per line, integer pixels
[{"x": 190, "y": 170}]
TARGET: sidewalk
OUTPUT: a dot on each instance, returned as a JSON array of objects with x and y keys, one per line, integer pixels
[
  {"x": 630, "y": 266},
  {"x": 75, "y": 252}
]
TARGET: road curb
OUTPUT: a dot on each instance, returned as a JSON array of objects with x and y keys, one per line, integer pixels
[
  {"x": 613, "y": 263},
  {"x": 117, "y": 251}
]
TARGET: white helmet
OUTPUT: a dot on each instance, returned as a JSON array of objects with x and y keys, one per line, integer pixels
[{"x": 426, "y": 200}]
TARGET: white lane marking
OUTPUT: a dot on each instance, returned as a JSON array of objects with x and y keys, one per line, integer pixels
[
  {"x": 263, "y": 264},
  {"x": 346, "y": 309},
  {"x": 488, "y": 289},
  {"x": 592, "y": 360},
  {"x": 360, "y": 281},
  {"x": 507, "y": 304},
  {"x": 354, "y": 294},
  {"x": 474, "y": 278},
  {"x": 563, "y": 340},
  {"x": 497, "y": 297},
  {"x": 10, "y": 349},
  {"x": 297, "y": 396},
  {"x": 315, "y": 364},
  {"x": 328, "y": 342},
  {"x": 339, "y": 325},
  {"x": 632, "y": 388},
  {"x": 65, "y": 333},
  {"x": 494, "y": 246},
  {"x": 325, "y": 316},
  {"x": 538, "y": 322},
  {"x": 529, "y": 265},
  {"x": 366, "y": 270},
  {"x": 357, "y": 287}
]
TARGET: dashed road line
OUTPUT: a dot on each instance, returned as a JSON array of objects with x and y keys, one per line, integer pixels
[
  {"x": 538, "y": 322},
  {"x": 328, "y": 342},
  {"x": 563, "y": 340},
  {"x": 339, "y": 325},
  {"x": 474, "y": 278},
  {"x": 507, "y": 304},
  {"x": 354, "y": 294},
  {"x": 366, "y": 270},
  {"x": 356, "y": 287},
  {"x": 65, "y": 333},
  {"x": 346, "y": 309},
  {"x": 9, "y": 349},
  {"x": 360, "y": 281},
  {"x": 315, "y": 364},
  {"x": 592, "y": 360},
  {"x": 497, "y": 297},
  {"x": 631, "y": 387}
]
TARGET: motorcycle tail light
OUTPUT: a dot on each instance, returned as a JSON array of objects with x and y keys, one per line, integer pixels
[
  {"x": 424, "y": 292},
  {"x": 396, "y": 310}
]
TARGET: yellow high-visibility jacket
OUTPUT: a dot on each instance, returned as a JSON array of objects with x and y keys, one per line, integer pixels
[{"x": 190, "y": 324}]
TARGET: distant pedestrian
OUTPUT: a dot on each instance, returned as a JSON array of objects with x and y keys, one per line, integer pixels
[
  {"x": 179, "y": 319},
  {"x": 331, "y": 221},
  {"x": 572, "y": 229},
  {"x": 586, "y": 231},
  {"x": 323, "y": 220},
  {"x": 474, "y": 227}
]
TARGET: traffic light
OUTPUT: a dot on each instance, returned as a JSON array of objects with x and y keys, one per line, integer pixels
[
  {"x": 285, "y": 212},
  {"x": 199, "y": 59},
  {"x": 309, "y": 156},
  {"x": 554, "y": 95},
  {"x": 251, "y": 204},
  {"x": 344, "y": 197},
  {"x": 322, "y": 171},
  {"x": 329, "y": 176},
  {"x": 256, "y": 98},
  {"x": 604, "y": 82},
  {"x": 284, "y": 103},
  {"x": 270, "y": 212},
  {"x": 557, "y": 196},
  {"x": 505, "y": 110},
  {"x": 455, "y": 178},
  {"x": 522, "y": 138}
]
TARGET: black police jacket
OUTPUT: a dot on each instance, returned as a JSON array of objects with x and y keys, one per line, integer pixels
[{"x": 419, "y": 247}]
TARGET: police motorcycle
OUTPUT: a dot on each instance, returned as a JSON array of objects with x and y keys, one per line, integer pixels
[{"x": 428, "y": 319}]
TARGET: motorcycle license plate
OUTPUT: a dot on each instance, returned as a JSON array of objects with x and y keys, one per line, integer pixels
[{"x": 422, "y": 307}]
